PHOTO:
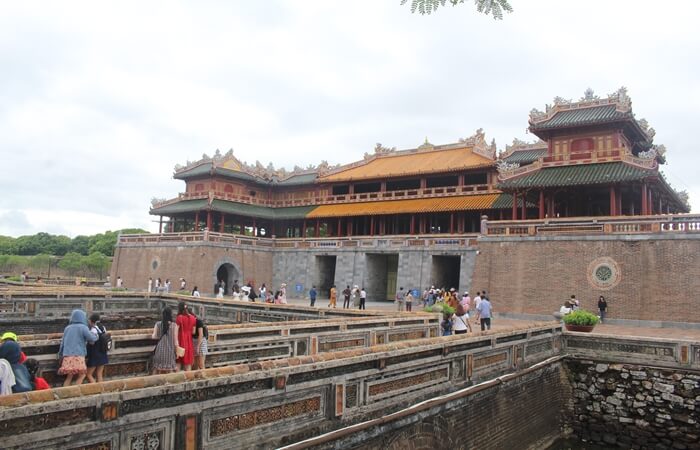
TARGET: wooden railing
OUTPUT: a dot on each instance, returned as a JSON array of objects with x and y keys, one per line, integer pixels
[
  {"x": 679, "y": 223},
  {"x": 446, "y": 191},
  {"x": 451, "y": 240}
]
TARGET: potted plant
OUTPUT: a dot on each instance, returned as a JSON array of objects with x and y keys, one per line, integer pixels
[{"x": 580, "y": 320}]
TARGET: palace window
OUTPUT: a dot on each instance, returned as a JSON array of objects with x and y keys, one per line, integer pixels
[
  {"x": 441, "y": 181},
  {"x": 341, "y": 189},
  {"x": 199, "y": 187},
  {"x": 228, "y": 188},
  {"x": 367, "y": 187},
  {"x": 403, "y": 185},
  {"x": 475, "y": 178},
  {"x": 582, "y": 145}
]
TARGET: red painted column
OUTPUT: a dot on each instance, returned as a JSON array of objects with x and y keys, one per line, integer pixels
[
  {"x": 524, "y": 211},
  {"x": 196, "y": 221},
  {"x": 644, "y": 200},
  {"x": 303, "y": 229},
  {"x": 340, "y": 228},
  {"x": 650, "y": 203},
  {"x": 541, "y": 205},
  {"x": 618, "y": 204},
  {"x": 413, "y": 224},
  {"x": 515, "y": 206},
  {"x": 371, "y": 226},
  {"x": 255, "y": 231},
  {"x": 613, "y": 201},
  {"x": 452, "y": 223},
  {"x": 317, "y": 231},
  {"x": 209, "y": 220},
  {"x": 160, "y": 225},
  {"x": 349, "y": 233},
  {"x": 221, "y": 226}
]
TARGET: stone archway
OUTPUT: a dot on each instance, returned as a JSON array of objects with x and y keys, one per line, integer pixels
[
  {"x": 226, "y": 270},
  {"x": 431, "y": 434}
]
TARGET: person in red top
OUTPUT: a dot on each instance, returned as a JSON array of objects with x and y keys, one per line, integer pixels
[
  {"x": 38, "y": 383},
  {"x": 186, "y": 324},
  {"x": 10, "y": 336}
]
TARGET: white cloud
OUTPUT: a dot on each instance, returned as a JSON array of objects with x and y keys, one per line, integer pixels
[{"x": 98, "y": 101}]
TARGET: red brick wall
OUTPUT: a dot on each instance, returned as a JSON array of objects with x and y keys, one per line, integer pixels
[
  {"x": 197, "y": 264},
  {"x": 659, "y": 279}
]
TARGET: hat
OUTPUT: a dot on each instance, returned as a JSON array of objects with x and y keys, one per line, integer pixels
[
  {"x": 466, "y": 292},
  {"x": 246, "y": 289},
  {"x": 9, "y": 335},
  {"x": 283, "y": 285},
  {"x": 452, "y": 289}
]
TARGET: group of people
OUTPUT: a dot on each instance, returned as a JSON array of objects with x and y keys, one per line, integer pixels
[
  {"x": 352, "y": 297},
  {"x": 181, "y": 343},
  {"x": 17, "y": 372},
  {"x": 456, "y": 319},
  {"x": 573, "y": 304},
  {"x": 248, "y": 292}
]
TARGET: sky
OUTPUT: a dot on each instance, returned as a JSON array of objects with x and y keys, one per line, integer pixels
[{"x": 100, "y": 100}]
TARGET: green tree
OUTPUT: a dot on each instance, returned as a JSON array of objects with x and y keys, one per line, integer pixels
[
  {"x": 488, "y": 7},
  {"x": 80, "y": 244},
  {"x": 40, "y": 262},
  {"x": 8, "y": 245},
  {"x": 96, "y": 262},
  {"x": 72, "y": 262}
]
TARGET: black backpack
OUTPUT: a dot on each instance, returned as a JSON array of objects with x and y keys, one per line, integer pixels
[{"x": 104, "y": 339}]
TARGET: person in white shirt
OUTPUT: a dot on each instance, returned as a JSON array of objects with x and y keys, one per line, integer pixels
[{"x": 195, "y": 292}]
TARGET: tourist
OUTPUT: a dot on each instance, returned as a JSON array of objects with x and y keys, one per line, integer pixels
[
  {"x": 167, "y": 285},
  {"x": 426, "y": 297},
  {"x": 602, "y": 308},
  {"x": 566, "y": 308},
  {"x": 150, "y": 284},
  {"x": 283, "y": 294},
  {"x": 347, "y": 292},
  {"x": 461, "y": 320},
  {"x": 183, "y": 284},
  {"x": 252, "y": 295},
  {"x": 363, "y": 298},
  {"x": 96, "y": 353},
  {"x": 485, "y": 311},
  {"x": 446, "y": 324},
  {"x": 10, "y": 336},
  {"x": 222, "y": 287},
  {"x": 235, "y": 288},
  {"x": 38, "y": 383},
  {"x": 195, "y": 292},
  {"x": 73, "y": 348},
  {"x": 575, "y": 304},
  {"x": 355, "y": 296},
  {"x": 477, "y": 300},
  {"x": 220, "y": 290},
  {"x": 332, "y": 297},
  {"x": 245, "y": 293},
  {"x": 263, "y": 293},
  {"x": 312, "y": 295},
  {"x": 158, "y": 283},
  {"x": 23, "y": 277},
  {"x": 400, "y": 299},
  {"x": 200, "y": 336},
  {"x": 466, "y": 301},
  {"x": 20, "y": 380},
  {"x": 185, "y": 324},
  {"x": 164, "y": 354},
  {"x": 409, "y": 301},
  {"x": 120, "y": 282}
]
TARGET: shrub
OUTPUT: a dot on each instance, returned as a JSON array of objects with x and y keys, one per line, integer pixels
[
  {"x": 116, "y": 289},
  {"x": 183, "y": 292},
  {"x": 580, "y": 317}
]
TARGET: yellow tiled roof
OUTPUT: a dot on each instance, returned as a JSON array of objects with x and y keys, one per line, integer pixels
[
  {"x": 420, "y": 205},
  {"x": 416, "y": 163}
]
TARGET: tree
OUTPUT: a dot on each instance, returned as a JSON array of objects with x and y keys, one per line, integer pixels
[
  {"x": 80, "y": 244},
  {"x": 96, "y": 262},
  {"x": 40, "y": 262},
  {"x": 8, "y": 245},
  {"x": 488, "y": 7},
  {"x": 72, "y": 262}
]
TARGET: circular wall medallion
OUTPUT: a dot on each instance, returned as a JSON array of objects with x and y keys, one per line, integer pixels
[
  {"x": 155, "y": 263},
  {"x": 604, "y": 273}
]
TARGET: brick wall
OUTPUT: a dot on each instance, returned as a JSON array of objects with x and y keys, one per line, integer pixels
[
  {"x": 658, "y": 277},
  {"x": 526, "y": 412}
]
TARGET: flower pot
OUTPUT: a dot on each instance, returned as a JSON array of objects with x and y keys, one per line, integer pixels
[{"x": 579, "y": 328}]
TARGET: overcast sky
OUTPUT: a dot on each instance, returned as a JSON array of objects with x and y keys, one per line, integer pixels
[{"x": 98, "y": 101}]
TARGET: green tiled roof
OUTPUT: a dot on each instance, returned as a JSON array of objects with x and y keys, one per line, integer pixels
[
  {"x": 180, "y": 207},
  {"x": 526, "y": 156},
  {"x": 577, "y": 175},
  {"x": 582, "y": 116},
  {"x": 506, "y": 201},
  {"x": 294, "y": 180},
  {"x": 263, "y": 212},
  {"x": 202, "y": 169}
]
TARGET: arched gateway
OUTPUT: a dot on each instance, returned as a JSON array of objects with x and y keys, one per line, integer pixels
[{"x": 228, "y": 272}]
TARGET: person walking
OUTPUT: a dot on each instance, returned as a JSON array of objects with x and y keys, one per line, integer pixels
[
  {"x": 195, "y": 292},
  {"x": 409, "y": 301},
  {"x": 185, "y": 323},
  {"x": 332, "y": 297},
  {"x": 346, "y": 297},
  {"x": 73, "y": 348},
  {"x": 150, "y": 284},
  {"x": 484, "y": 310},
  {"x": 166, "y": 332},
  {"x": 399, "y": 299},
  {"x": 96, "y": 355},
  {"x": 312, "y": 296},
  {"x": 200, "y": 336},
  {"x": 363, "y": 298},
  {"x": 461, "y": 320},
  {"x": 602, "y": 308}
]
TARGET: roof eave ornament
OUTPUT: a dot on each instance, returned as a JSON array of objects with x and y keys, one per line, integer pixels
[{"x": 477, "y": 142}]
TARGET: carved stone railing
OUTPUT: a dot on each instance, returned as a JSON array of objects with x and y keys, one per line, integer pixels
[
  {"x": 679, "y": 223},
  {"x": 388, "y": 241}
]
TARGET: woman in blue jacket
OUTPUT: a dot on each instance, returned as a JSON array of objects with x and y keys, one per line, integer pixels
[{"x": 73, "y": 349}]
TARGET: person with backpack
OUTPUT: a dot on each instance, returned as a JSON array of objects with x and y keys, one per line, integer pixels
[
  {"x": 97, "y": 353},
  {"x": 38, "y": 383},
  {"x": 20, "y": 381},
  {"x": 200, "y": 337},
  {"x": 461, "y": 320},
  {"x": 73, "y": 349}
]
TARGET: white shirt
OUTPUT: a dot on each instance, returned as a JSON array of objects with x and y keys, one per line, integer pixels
[{"x": 460, "y": 323}]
